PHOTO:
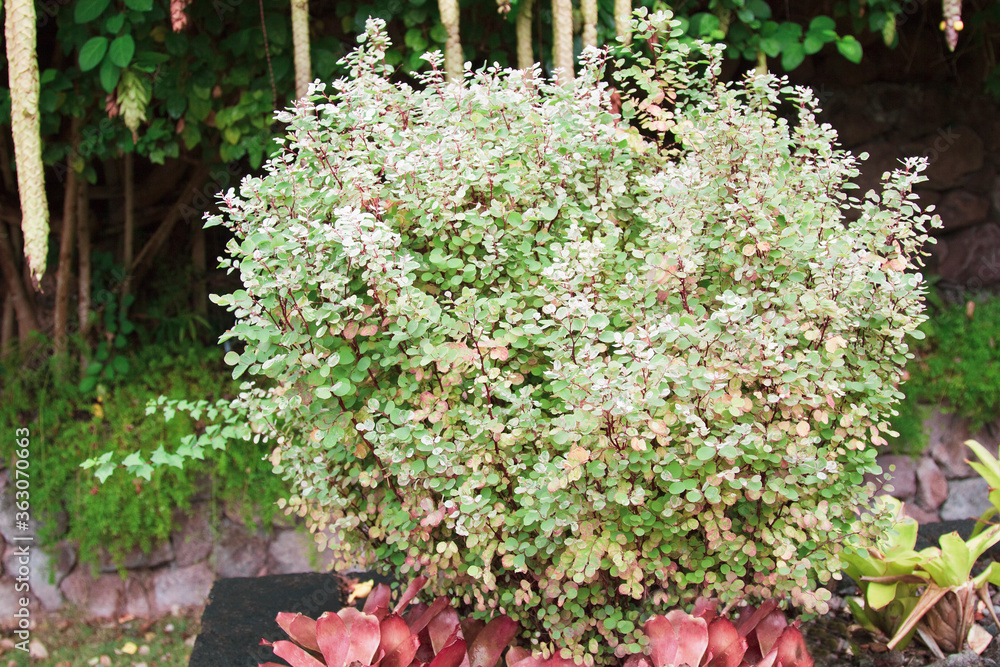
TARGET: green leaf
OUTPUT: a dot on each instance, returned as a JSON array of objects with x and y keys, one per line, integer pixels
[
  {"x": 114, "y": 23},
  {"x": 822, "y": 23},
  {"x": 850, "y": 48},
  {"x": 232, "y": 358},
  {"x": 110, "y": 73},
  {"x": 88, "y": 10},
  {"x": 139, "y": 5},
  {"x": 92, "y": 53},
  {"x": 121, "y": 50},
  {"x": 792, "y": 56},
  {"x": 879, "y": 594}
]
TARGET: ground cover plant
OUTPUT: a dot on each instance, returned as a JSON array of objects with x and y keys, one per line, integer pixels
[
  {"x": 69, "y": 425},
  {"x": 955, "y": 369},
  {"x": 569, "y": 372}
]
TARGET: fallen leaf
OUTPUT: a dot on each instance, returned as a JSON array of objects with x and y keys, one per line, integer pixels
[{"x": 360, "y": 590}]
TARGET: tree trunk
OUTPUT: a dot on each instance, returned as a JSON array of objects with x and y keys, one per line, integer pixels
[
  {"x": 19, "y": 30},
  {"x": 525, "y": 55},
  {"x": 589, "y": 10},
  {"x": 129, "y": 248},
  {"x": 300, "y": 42},
  {"x": 562, "y": 40},
  {"x": 453, "y": 58},
  {"x": 64, "y": 275},
  {"x": 623, "y": 20},
  {"x": 200, "y": 266},
  {"x": 83, "y": 257},
  {"x": 7, "y": 321},
  {"x": 181, "y": 208},
  {"x": 26, "y": 320}
]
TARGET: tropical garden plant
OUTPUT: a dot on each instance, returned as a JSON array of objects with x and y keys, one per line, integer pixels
[{"x": 570, "y": 372}]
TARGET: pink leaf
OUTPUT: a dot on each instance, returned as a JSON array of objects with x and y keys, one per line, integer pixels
[
  {"x": 662, "y": 640},
  {"x": 333, "y": 638},
  {"x": 403, "y": 654},
  {"x": 364, "y": 632},
  {"x": 791, "y": 649},
  {"x": 295, "y": 655},
  {"x": 451, "y": 655},
  {"x": 394, "y": 632},
  {"x": 378, "y": 598},
  {"x": 637, "y": 660},
  {"x": 301, "y": 629},
  {"x": 516, "y": 654},
  {"x": 692, "y": 637},
  {"x": 436, "y": 608},
  {"x": 471, "y": 627},
  {"x": 410, "y": 592},
  {"x": 753, "y": 617},
  {"x": 442, "y": 627},
  {"x": 485, "y": 649},
  {"x": 725, "y": 646},
  {"x": 769, "y": 629},
  {"x": 705, "y": 608}
]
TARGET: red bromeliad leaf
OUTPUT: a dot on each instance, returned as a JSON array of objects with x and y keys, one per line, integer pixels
[
  {"x": 378, "y": 599},
  {"x": 420, "y": 622},
  {"x": 451, "y": 655},
  {"x": 411, "y": 591},
  {"x": 295, "y": 655},
  {"x": 394, "y": 632},
  {"x": 725, "y": 645},
  {"x": 705, "y": 608},
  {"x": 791, "y": 649},
  {"x": 516, "y": 654},
  {"x": 333, "y": 638},
  {"x": 485, "y": 649},
  {"x": 751, "y": 618},
  {"x": 365, "y": 635},
  {"x": 769, "y": 630},
  {"x": 692, "y": 638},
  {"x": 442, "y": 628},
  {"x": 301, "y": 629},
  {"x": 637, "y": 660},
  {"x": 662, "y": 640},
  {"x": 471, "y": 627},
  {"x": 403, "y": 654}
]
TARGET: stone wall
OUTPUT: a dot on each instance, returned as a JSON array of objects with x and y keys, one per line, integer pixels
[
  {"x": 174, "y": 575},
  {"x": 921, "y": 100}
]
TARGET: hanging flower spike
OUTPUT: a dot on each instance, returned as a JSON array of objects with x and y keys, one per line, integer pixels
[
  {"x": 178, "y": 14},
  {"x": 952, "y": 23}
]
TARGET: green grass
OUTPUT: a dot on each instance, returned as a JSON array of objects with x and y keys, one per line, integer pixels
[{"x": 70, "y": 643}]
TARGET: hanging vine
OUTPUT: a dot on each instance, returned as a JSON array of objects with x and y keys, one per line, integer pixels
[{"x": 19, "y": 29}]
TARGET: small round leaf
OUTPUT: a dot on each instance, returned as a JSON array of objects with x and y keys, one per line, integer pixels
[
  {"x": 121, "y": 50},
  {"x": 92, "y": 53}
]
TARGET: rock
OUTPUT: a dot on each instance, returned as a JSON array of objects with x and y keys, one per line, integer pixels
[
  {"x": 946, "y": 443},
  {"x": 137, "y": 595},
  {"x": 932, "y": 488},
  {"x": 37, "y": 650},
  {"x": 902, "y": 478},
  {"x": 192, "y": 542},
  {"x": 960, "y": 209},
  {"x": 238, "y": 554},
  {"x": 10, "y": 603},
  {"x": 969, "y": 498},
  {"x": 289, "y": 552},
  {"x": 98, "y": 597},
  {"x": 952, "y": 153},
  {"x": 922, "y": 516},
  {"x": 7, "y": 511},
  {"x": 137, "y": 558},
  {"x": 40, "y": 564},
  {"x": 181, "y": 587}
]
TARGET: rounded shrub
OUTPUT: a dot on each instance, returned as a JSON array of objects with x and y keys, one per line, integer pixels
[{"x": 563, "y": 370}]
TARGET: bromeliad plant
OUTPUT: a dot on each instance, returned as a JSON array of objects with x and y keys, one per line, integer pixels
[
  {"x": 931, "y": 592},
  {"x": 428, "y": 636},
  {"x": 511, "y": 345}
]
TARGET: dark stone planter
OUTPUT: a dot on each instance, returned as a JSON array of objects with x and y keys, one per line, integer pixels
[{"x": 240, "y": 612}]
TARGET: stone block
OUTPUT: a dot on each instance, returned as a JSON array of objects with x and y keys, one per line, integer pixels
[
  {"x": 237, "y": 553},
  {"x": 192, "y": 542},
  {"x": 968, "y": 499},
  {"x": 932, "y": 487},
  {"x": 181, "y": 587}
]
